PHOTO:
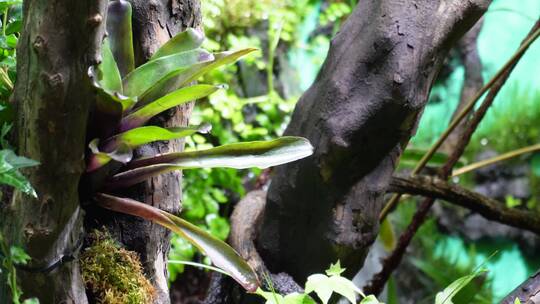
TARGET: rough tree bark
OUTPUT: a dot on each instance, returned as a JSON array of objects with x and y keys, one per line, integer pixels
[
  {"x": 154, "y": 22},
  {"x": 359, "y": 114},
  {"x": 60, "y": 40}
]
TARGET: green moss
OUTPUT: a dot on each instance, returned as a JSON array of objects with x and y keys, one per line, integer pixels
[{"x": 114, "y": 274}]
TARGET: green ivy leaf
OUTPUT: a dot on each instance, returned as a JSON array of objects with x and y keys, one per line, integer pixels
[
  {"x": 335, "y": 269},
  {"x": 18, "y": 255}
]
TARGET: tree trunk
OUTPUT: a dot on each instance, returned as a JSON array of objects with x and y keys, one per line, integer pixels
[
  {"x": 154, "y": 22},
  {"x": 359, "y": 114},
  {"x": 53, "y": 94}
]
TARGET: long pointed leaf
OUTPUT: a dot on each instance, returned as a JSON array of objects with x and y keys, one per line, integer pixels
[
  {"x": 109, "y": 74},
  {"x": 120, "y": 35},
  {"x": 108, "y": 101},
  {"x": 187, "y": 40},
  {"x": 261, "y": 154},
  {"x": 145, "y": 76},
  {"x": 181, "y": 96},
  {"x": 221, "y": 254},
  {"x": 182, "y": 77},
  {"x": 144, "y": 135}
]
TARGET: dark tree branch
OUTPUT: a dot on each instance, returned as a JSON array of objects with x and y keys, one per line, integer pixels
[
  {"x": 359, "y": 114},
  {"x": 485, "y": 206},
  {"x": 528, "y": 292},
  {"x": 473, "y": 82},
  {"x": 391, "y": 262}
]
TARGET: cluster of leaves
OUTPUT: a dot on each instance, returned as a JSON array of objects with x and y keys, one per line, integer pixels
[
  {"x": 128, "y": 97},
  {"x": 324, "y": 286}
]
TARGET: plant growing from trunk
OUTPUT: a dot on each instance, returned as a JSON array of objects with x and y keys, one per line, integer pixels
[{"x": 128, "y": 98}]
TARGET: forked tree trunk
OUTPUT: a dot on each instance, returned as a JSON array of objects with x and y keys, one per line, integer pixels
[
  {"x": 359, "y": 114},
  {"x": 53, "y": 94}
]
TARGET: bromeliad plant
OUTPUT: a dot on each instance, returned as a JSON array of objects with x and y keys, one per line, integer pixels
[{"x": 128, "y": 97}]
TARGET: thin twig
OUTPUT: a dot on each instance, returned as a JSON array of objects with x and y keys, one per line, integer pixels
[
  {"x": 425, "y": 159},
  {"x": 390, "y": 263},
  {"x": 496, "y": 159},
  {"x": 485, "y": 206}
]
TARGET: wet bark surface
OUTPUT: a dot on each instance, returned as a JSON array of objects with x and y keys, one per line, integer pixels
[
  {"x": 359, "y": 114},
  {"x": 60, "y": 40}
]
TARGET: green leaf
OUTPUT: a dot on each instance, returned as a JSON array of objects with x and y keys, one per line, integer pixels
[
  {"x": 109, "y": 75},
  {"x": 387, "y": 235},
  {"x": 187, "y": 40},
  {"x": 9, "y": 174},
  {"x": 296, "y": 298},
  {"x": 141, "y": 115},
  {"x": 517, "y": 301},
  {"x": 319, "y": 283},
  {"x": 445, "y": 296},
  {"x": 371, "y": 299},
  {"x": 14, "y": 27},
  {"x": 144, "y": 135},
  {"x": 15, "y": 162},
  {"x": 221, "y": 254},
  {"x": 120, "y": 35},
  {"x": 18, "y": 255},
  {"x": 148, "y": 74},
  {"x": 15, "y": 179},
  {"x": 261, "y": 154},
  {"x": 31, "y": 301},
  {"x": 335, "y": 269},
  {"x": 182, "y": 77},
  {"x": 108, "y": 102}
]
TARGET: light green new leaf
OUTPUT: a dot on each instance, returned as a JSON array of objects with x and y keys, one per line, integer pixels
[
  {"x": 445, "y": 296},
  {"x": 109, "y": 102},
  {"x": 517, "y": 301},
  {"x": 370, "y": 300},
  {"x": 387, "y": 235},
  {"x": 183, "y": 77},
  {"x": 221, "y": 254},
  {"x": 319, "y": 283},
  {"x": 148, "y": 74},
  {"x": 187, "y": 40},
  {"x": 15, "y": 179},
  {"x": 141, "y": 115},
  {"x": 109, "y": 75},
  {"x": 10, "y": 163},
  {"x": 144, "y": 135},
  {"x": 261, "y": 154}
]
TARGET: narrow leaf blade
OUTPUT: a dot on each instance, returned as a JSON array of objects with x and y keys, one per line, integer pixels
[
  {"x": 187, "y": 40},
  {"x": 182, "y": 77},
  {"x": 221, "y": 254},
  {"x": 176, "y": 98},
  {"x": 261, "y": 154},
  {"x": 148, "y": 74}
]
